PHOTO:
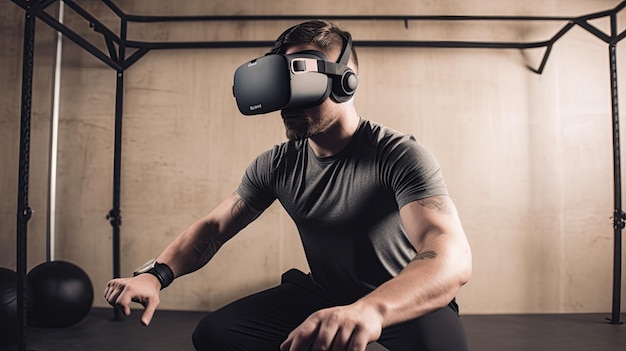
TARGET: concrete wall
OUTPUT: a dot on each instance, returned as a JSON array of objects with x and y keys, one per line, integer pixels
[{"x": 527, "y": 157}]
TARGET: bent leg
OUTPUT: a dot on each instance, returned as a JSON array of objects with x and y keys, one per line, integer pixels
[
  {"x": 261, "y": 321},
  {"x": 438, "y": 330}
]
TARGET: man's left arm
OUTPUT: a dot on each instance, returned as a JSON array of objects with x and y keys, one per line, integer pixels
[
  {"x": 442, "y": 265},
  {"x": 429, "y": 282}
]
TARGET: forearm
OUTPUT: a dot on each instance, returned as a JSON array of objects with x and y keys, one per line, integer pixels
[
  {"x": 427, "y": 283},
  {"x": 195, "y": 246}
]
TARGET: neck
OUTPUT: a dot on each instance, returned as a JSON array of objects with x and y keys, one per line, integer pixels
[{"x": 337, "y": 136}]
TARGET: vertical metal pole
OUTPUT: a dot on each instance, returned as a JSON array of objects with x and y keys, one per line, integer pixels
[
  {"x": 618, "y": 215},
  {"x": 54, "y": 137},
  {"x": 115, "y": 214},
  {"x": 23, "y": 211}
]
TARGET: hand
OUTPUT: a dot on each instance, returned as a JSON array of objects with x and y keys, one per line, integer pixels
[
  {"x": 143, "y": 289},
  {"x": 349, "y": 327}
]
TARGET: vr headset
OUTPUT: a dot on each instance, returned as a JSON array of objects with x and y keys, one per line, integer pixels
[{"x": 304, "y": 79}]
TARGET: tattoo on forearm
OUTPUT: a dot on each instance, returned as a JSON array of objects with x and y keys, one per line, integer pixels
[
  {"x": 439, "y": 203},
  {"x": 425, "y": 255},
  {"x": 205, "y": 250},
  {"x": 242, "y": 215}
]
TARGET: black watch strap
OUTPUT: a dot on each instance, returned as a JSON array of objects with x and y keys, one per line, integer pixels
[{"x": 163, "y": 273}]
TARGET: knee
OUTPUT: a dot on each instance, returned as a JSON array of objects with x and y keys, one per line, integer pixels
[{"x": 210, "y": 334}]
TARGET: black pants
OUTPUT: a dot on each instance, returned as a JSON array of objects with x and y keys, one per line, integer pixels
[{"x": 262, "y": 321}]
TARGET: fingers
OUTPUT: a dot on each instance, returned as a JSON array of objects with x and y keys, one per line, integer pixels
[
  {"x": 110, "y": 291},
  {"x": 113, "y": 291},
  {"x": 121, "y": 292},
  {"x": 342, "y": 339},
  {"x": 300, "y": 338},
  {"x": 123, "y": 301},
  {"x": 148, "y": 313},
  {"x": 116, "y": 296},
  {"x": 330, "y": 339},
  {"x": 338, "y": 328},
  {"x": 358, "y": 341},
  {"x": 326, "y": 335}
]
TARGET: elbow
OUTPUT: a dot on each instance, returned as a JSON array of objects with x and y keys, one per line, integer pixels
[
  {"x": 465, "y": 273},
  {"x": 462, "y": 271},
  {"x": 463, "y": 278},
  {"x": 459, "y": 273}
]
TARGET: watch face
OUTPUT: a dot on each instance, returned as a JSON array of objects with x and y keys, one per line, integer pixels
[{"x": 146, "y": 266}]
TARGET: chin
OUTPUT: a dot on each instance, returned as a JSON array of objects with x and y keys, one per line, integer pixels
[{"x": 295, "y": 135}]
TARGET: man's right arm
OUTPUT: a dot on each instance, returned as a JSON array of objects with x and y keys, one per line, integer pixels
[
  {"x": 195, "y": 246},
  {"x": 190, "y": 250}
]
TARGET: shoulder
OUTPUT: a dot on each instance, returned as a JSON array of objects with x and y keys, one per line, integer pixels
[
  {"x": 381, "y": 134},
  {"x": 279, "y": 154},
  {"x": 387, "y": 140}
]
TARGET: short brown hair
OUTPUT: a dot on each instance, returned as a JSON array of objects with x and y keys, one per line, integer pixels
[{"x": 322, "y": 33}]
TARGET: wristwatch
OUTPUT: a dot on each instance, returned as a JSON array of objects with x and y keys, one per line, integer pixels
[{"x": 160, "y": 270}]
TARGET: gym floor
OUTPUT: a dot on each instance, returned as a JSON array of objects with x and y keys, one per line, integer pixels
[{"x": 171, "y": 330}]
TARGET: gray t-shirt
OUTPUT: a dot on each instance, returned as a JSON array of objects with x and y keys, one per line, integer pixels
[{"x": 346, "y": 207}]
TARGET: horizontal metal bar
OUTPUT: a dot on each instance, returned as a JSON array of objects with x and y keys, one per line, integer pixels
[
  {"x": 147, "y": 46},
  {"x": 198, "y": 44},
  {"x": 450, "y": 44},
  {"x": 358, "y": 43},
  {"x": 144, "y": 19}
]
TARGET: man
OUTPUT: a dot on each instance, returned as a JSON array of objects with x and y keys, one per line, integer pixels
[{"x": 383, "y": 240}]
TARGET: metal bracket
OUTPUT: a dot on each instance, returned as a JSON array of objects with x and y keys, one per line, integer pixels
[{"x": 114, "y": 217}]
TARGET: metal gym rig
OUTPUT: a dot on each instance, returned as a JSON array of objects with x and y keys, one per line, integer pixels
[{"x": 119, "y": 59}]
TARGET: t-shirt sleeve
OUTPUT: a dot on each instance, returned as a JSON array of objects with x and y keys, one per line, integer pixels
[
  {"x": 255, "y": 187},
  {"x": 412, "y": 171}
]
